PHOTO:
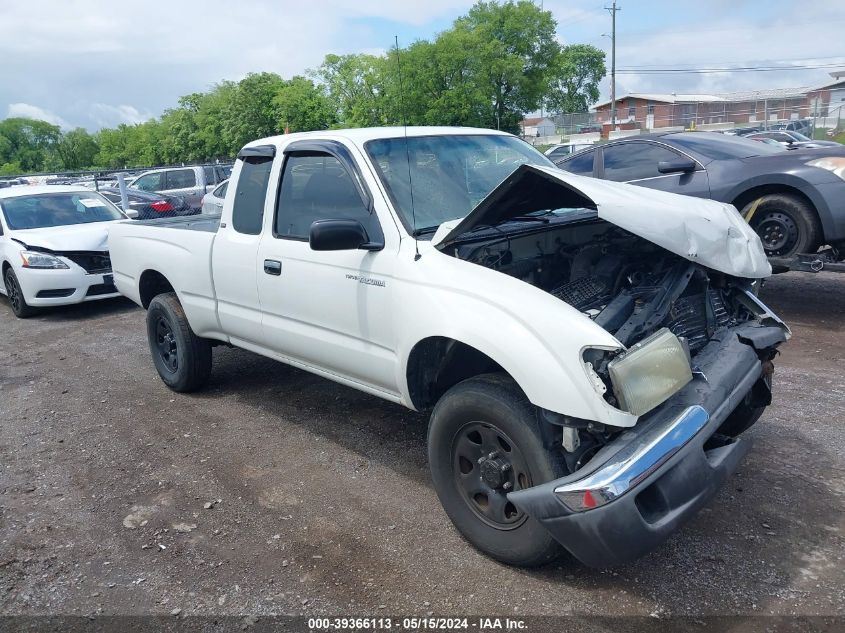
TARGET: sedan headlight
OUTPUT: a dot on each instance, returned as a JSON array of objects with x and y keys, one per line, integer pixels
[
  {"x": 650, "y": 372},
  {"x": 41, "y": 260},
  {"x": 836, "y": 164}
]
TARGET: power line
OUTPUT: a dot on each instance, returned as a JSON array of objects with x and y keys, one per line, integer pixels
[{"x": 709, "y": 71}]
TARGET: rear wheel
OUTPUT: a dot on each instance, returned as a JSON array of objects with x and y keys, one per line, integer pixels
[
  {"x": 18, "y": 302},
  {"x": 484, "y": 442},
  {"x": 182, "y": 358},
  {"x": 786, "y": 224}
]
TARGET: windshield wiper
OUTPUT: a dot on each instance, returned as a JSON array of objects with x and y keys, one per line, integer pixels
[{"x": 425, "y": 230}]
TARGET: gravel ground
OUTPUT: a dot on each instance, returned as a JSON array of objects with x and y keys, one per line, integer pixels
[{"x": 274, "y": 491}]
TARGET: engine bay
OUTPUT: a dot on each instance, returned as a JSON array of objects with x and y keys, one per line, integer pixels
[{"x": 625, "y": 284}]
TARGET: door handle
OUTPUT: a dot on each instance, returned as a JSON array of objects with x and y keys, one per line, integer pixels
[{"x": 272, "y": 267}]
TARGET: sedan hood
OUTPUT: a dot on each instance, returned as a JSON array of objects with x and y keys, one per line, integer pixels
[
  {"x": 75, "y": 237},
  {"x": 710, "y": 233}
]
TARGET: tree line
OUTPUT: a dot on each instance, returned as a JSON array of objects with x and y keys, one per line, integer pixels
[{"x": 495, "y": 64}]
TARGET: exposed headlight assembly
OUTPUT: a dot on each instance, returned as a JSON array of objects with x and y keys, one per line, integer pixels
[
  {"x": 41, "y": 260},
  {"x": 650, "y": 372},
  {"x": 836, "y": 164}
]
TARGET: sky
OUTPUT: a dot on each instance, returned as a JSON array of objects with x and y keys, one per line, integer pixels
[{"x": 92, "y": 64}]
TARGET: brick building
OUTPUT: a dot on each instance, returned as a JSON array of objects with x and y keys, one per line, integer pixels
[{"x": 741, "y": 108}]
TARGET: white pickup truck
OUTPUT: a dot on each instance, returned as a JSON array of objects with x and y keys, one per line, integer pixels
[{"x": 590, "y": 352}]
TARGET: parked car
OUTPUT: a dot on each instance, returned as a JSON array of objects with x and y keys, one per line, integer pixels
[
  {"x": 795, "y": 201},
  {"x": 550, "y": 322},
  {"x": 189, "y": 183},
  {"x": 53, "y": 246},
  {"x": 564, "y": 149},
  {"x": 790, "y": 139},
  {"x": 212, "y": 202},
  {"x": 148, "y": 205}
]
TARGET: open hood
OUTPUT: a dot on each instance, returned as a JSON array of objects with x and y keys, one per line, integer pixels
[
  {"x": 74, "y": 237},
  {"x": 710, "y": 233}
]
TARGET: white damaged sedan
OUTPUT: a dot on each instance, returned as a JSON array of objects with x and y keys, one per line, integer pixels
[{"x": 53, "y": 246}]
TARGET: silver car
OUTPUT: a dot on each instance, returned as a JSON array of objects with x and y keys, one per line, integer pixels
[
  {"x": 188, "y": 183},
  {"x": 212, "y": 202}
]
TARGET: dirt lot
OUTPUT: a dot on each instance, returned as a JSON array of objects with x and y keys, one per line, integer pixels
[{"x": 277, "y": 492}]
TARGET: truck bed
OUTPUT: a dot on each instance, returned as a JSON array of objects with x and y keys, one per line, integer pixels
[{"x": 207, "y": 223}]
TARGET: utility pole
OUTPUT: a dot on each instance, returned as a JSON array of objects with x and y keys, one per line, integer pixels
[{"x": 613, "y": 11}]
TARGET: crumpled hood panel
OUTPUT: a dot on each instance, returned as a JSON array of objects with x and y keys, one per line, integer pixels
[
  {"x": 709, "y": 233},
  {"x": 76, "y": 237}
]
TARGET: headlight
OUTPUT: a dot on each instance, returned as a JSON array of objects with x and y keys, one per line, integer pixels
[
  {"x": 650, "y": 372},
  {"x": 836, "y": 164},
  {"x": 41, "y": 260}
]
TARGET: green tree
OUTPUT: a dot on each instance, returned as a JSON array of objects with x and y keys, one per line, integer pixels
[
  {"x": 77, "y": 149},
  {"x": 302, "y": 106},
  {"x": 251, "y": 113},
  {"x": 575, "y": 83},
  {"x": 28, "y": 143},
  {"x": 515, "y": 48},
  {"x": 356, "y": 88}
]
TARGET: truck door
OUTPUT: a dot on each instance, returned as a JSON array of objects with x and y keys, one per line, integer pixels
[
  {"x": 328, "y": 309},
  {"x": 234, "y": 255}
]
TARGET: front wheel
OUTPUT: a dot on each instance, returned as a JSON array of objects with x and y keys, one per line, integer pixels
[
  {"x": 182, "y": 358},
  {"x": 786, "y": 224},
  {"x": 483, "y": 442},
  {"x": 20, "y": 307}
]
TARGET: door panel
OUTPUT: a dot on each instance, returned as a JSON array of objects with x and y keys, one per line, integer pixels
[
  {"x": 234, "y": 258},
  {"x": 330, "y": 309}
]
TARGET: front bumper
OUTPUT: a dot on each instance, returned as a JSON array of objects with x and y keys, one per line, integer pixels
[
  {"x": 57, "y": 287},
  {"x": 654, "y": 477}
]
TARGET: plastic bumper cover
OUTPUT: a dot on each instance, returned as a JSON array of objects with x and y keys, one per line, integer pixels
[{"x": 645, "y": 484}]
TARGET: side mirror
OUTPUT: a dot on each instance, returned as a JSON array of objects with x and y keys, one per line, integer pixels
[
  {"x": 132, "y": 214},
  {"x": 680, "y": 165},
  {"x": 340, "y": 235}
]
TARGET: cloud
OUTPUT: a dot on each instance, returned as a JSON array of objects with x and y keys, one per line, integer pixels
[
  {"x": 29, "y": 111},
  {"x": 108, "y": 115}
]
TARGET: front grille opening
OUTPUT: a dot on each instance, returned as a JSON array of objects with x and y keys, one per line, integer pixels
[
  {"x": 652, "y": 503},
  {"x": 55, "y": 293},
  {"x": 101, "y": 289},
  {"x": 94, "y": 262}
]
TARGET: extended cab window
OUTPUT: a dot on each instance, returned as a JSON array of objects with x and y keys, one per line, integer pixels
[
  {"x": 318, "y": 187},
  {"x": 248, "y": 208},
  {"x": 181, "y": 179}
]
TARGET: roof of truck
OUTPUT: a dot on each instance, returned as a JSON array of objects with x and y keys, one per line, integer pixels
[{"x": 364, "y": 134}]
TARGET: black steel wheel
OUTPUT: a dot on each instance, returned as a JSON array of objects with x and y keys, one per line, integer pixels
[
  {"x": 484, "y": 442},
  {"x": 166, "y": 346},
  {"x": 182, "y": 359},
  {"x": 786, "y": 224},
  {"x": 20, "y": 307},
  {"x": 486, "y": 466}
]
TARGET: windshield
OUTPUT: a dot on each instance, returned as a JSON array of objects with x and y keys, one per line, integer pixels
[
  {"x": 449, "y": 175},
  {"x": 799, "y": 137},
  {"x": 720, "y": 146},
  {"x": 58, "y": 209}
]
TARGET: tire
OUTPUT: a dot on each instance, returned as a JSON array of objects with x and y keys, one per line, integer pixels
[
  {"x": 786, "y": 224},
  {"x": 479, "y": 416},
  {"x": 20, "y": 307},
  {"x": 182, "y": 359}
]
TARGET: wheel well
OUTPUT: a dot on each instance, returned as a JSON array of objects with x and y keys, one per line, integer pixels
[
  {"x": 6, "y": 266},
  {"x": 152, "y": 283},
  {"x": 437, "y": 363},
  {"x": 756, "y": 192}
]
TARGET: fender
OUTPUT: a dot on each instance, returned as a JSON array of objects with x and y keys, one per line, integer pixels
[
  {"x": 806, "y": 188},
  {"x": 532, "y": 335}
]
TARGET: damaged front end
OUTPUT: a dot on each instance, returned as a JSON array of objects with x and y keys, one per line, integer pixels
[{"x": 693, "y": 366}]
